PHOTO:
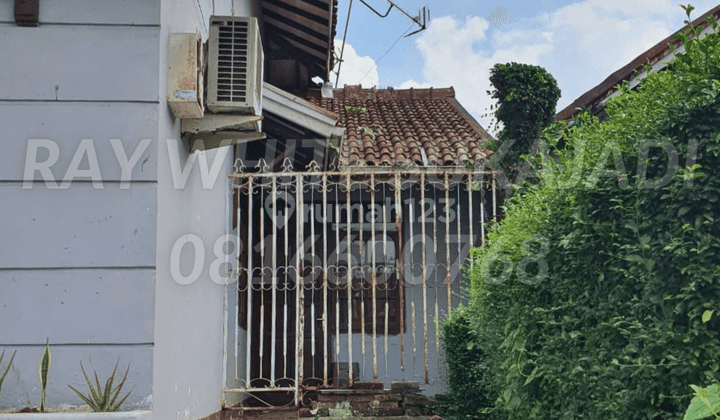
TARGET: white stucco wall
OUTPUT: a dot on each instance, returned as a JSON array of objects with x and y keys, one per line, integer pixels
[
  {"x": 90, "y": 267},
  {"x": 77, "y": 265},
  {"x": 188, "y": 365}
]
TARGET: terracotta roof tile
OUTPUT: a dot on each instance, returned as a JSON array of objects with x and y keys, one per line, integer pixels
[{"x": 393, "y": 127}]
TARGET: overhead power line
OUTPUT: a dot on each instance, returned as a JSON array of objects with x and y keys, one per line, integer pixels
[
  {"x": 421, "y": 20},
  {"x": 386, "y": 52},
  {"x": 342, "y": 50}
]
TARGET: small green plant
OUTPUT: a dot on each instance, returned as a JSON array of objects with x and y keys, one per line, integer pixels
[
  {"x": 705, "y": 403},
  {"x": 103, "y": 399},
  {"x": 45, "y": 363},
  {"x": 371, "y": 129},
  {"x": 7, "y": 369},
  {"x": 355, "y": 110}
]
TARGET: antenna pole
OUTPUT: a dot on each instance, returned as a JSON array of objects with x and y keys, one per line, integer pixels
[{"x": 420, "y": 20}]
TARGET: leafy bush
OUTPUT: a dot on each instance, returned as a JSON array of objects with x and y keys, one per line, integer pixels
[
  {"x": 466, "y": 371},
  {"x": 526, "y": 96},
  {"x": 588, "y": 299},
  {"x": 705, "y": 403}
]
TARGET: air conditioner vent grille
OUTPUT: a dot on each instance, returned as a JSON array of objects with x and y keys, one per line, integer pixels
[
  {"x": 235, "y": 65},
  {"x": 233, "y": 62}
]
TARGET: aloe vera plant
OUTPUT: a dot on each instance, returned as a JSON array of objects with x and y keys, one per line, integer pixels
[
  {"x": 2, "y": 378},
  {"x": 100, "y": 398},
  {"x": 45, "y": 363}
]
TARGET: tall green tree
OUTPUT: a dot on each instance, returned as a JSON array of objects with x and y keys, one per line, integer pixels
[{"x": 526, "y": 98}]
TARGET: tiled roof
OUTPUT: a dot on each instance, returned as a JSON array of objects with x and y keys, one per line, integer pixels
[{"x": 392, "y": 127}]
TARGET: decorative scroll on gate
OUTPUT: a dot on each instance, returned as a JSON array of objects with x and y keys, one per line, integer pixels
[{"x": 344, "y": 275}]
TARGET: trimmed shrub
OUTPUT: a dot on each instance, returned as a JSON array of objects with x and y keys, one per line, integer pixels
[{"x": 466, "y": 371}]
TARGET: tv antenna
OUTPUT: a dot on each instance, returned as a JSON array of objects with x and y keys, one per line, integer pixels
[{"x": 421, "y": 19}]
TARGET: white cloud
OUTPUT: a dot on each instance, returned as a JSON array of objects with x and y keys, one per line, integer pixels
[
  {"x": 414, "y": 84},
  {"x": 636, "y": 7},
  {"x": 580, "y": 44},
  {"x": 608, "y": 38},
  {"x": 515, "y": 36},
  {"x": 452, "y": 58},
  {"x": 355, "y": 69}
]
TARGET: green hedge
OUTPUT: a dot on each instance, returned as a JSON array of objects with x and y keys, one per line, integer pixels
[
  {"x": 466, "y": 373},
  {"x": 587, "y": 301}
]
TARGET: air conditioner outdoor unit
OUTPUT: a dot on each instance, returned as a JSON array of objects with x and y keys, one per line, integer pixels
[
  {"x": 235, "y": 66},
  {"x": 185, "y": 75}
]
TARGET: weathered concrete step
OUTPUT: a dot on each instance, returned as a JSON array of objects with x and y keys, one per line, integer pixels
[
  {"x": 360, "y": 397},
  {"x": 368, "y": 385},
  {"x": 346, "y": 391},
  {"x": 404, "y": 386}
]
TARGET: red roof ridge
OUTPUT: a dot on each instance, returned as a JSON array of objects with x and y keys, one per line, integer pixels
[{"x": 358, "y": 92}]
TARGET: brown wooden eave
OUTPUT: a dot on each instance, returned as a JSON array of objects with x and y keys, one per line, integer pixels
[{"x": 308, "y": 26}]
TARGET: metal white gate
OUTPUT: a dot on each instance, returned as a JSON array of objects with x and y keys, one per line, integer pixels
[{"x": 337, "y": 265}]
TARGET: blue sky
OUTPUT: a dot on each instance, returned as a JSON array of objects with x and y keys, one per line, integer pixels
[{"x": 579, "y": 42}]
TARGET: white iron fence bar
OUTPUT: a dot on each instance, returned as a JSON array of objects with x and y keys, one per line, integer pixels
[
  {"x": 387, "y": 311},
  {"x": 447, "y": 238},
  {"x": 459, "y": 243},
  {"x": 337, "y": 280},
  {"x": 236, "y": 342},
  {"x": 286, "y": 326},
  {"x": 399, "y": 268},
  {"x": 470, "y": 188},
  {"x": 494, "y": 201},
  {"x": 348, "y": 212},
  {"x": 312, "y": 286},
  {"x": 412, "y": 283},
  {"x": 361, "y": 274},
  {"x": 274, "y": 283},
  {"x": 373, "y": 275},
  {"x": 299, "y": 289},
  {"x": 325, "y": 318},
  {"x": 385, "y": 275},
  {"x": 262, "y": 285},
  {"x": 436, "y": 287},
  {"x": 482, "y": 216},
  {"x": 424, "y": 279},
  {"x": 248, "y": 315}
]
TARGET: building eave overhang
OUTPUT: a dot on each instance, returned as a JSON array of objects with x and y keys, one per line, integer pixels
[{"x": 301, "y": 112}]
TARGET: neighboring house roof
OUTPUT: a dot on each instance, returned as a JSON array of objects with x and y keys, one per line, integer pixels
[
  {"x": 408, "y": 127},
  {"x": 306, "y": 27},
  {"x": 658, "y": 56}
]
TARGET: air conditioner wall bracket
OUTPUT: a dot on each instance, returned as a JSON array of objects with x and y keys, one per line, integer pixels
[
  {"x": 208, "y": 141},
  {"x": 213, "y": 129},
  {"x": 215, "y": 122}
]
